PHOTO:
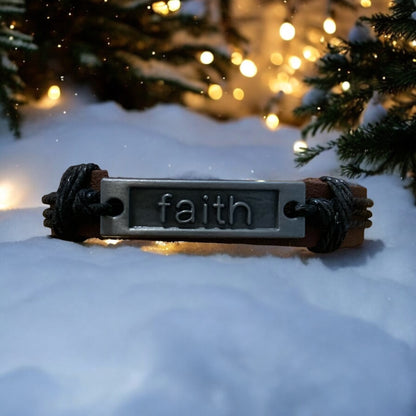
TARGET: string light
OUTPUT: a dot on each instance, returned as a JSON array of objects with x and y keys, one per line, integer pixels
[
  {"x": 286, "y": 87},
  {"x": 160, "y": 7},
  {"x": 5, "y": 196},
  {"x": 174, "y": 5},
  {"x": 295, "y": 62},
  {"x": 310, "y": 53},
  {"x": 272, "y": 121},
  {"x": 329, "y": 25},
  {"x": 287, "y": 31},
  {"x": 236, "y": 58},
  {"x": 215, "y": 91},
  {"x": 276, "y": 58},
  {"x": 206, "y": 57},
  {"x": 248, "y": 68},
  {"x": 54, "y": 92},
  {"x": 299, "y": 146},
  {"x": 345, "y": 86},
  {"x": 238, "y": 94},
  {"x": 366, "y": 3}
]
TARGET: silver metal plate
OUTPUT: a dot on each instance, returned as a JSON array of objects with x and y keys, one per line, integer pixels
[{"x": 199, "y": 209}]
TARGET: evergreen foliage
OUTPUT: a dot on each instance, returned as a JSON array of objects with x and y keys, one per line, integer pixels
[
  {"x": 11, "y": 42},
  {"x": 127, "y": 50},
  {"x": 377, "y": 112}
]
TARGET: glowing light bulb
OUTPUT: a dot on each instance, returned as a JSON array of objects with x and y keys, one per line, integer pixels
[
  {"x": 174, "y": 5},
  {"x": 287, "y": 31},
  {"x": 206, "y": 57},
  {"x": 54, "y": 92},
  {"x": 329, "y": 25},
  {"x": 5, "y": 196},
  {"x": 160, "y": 7},
  {"x": 295, "y": 62},
  {"x": 248, "y": 68},
  {"x": 310, "y": 53},
  {"x": 299, "y": 146},
  {"x": 238, "y": 94},
  {"x": 272, "y": 121},
  {"x": 276, "y": 58},
  {"x": 236, "y": 58},
  {"x": 365, "y": 3},
  {"x": 345, "y": 86},
  {"x": 215, "y": 91}
]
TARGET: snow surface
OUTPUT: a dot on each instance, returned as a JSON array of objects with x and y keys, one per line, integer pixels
[{"x": 148, "y": 328}]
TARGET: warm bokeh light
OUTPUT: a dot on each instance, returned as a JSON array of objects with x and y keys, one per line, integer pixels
[
  {"x": 345, "y": 86},
  {"x": 206, "y": 57},
  {"x": 276, "y": 58},
  {"x": 160, "y": 7},
  {"x": 238, "y": 94},
  {"x": 54, "y": 92},
  {"x": 287, "y": 31},
  {"x": 310, "y": 53},
  {"x": 329, "y": 25},
  {"x": 174, "y": 5},
  {"x": 236, "y": 58},
  {"x": 365, "y": 3},
  {"x": 282, "y": 77},
  {"x": 5, "y": 196},
  {"x": 215, "y": 91},
  {"x": 274, "y": 85},
  {"x": 248, "y": 68},
  {"x": 295, "y": 62},
  {"x": 299, "y": 146},
  {"x": 272, "y": 121},
  {"x": 163, "y": 248},
  {"x": 112, "y": 242}
]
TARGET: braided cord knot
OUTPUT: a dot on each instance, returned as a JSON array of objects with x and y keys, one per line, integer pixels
[
  {"x": 73, "y": 202},
  {"x": 333, "y": 216}
]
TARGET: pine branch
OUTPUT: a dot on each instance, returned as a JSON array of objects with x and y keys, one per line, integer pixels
[
  {"x": 379, "y": 72},
  {"x": 307, "y": 154},
  {"x": 127, "y": 51},
  {"x": 12, "y": 42},
  {"x": 387, "y": 146}
]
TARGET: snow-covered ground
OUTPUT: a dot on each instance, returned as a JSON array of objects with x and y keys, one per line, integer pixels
[{"x": 152, "y": 328}]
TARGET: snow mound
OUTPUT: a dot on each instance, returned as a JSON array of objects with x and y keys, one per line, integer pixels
[{"x": 159, "y": 328}]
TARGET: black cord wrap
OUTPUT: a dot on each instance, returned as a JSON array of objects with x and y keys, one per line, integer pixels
[
  {"x": 73, "y": 202},
  {"x": 333, "y": 216}
]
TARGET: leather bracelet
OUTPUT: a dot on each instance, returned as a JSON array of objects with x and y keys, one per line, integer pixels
[{"x": 322, "y": 214}]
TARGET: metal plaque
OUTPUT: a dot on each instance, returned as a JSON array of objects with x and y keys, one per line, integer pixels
[{"x": 199, "y": 209}]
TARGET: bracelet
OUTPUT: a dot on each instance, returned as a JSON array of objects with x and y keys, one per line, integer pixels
[{"x": 321, "y": 214}]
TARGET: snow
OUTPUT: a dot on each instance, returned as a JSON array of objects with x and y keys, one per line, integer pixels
[
  {"x": 314, "y": 96},
  {"x": 373, "y": 113},
  {"x": 360, "y": 33},
  {"x": 158, "y": 328}
]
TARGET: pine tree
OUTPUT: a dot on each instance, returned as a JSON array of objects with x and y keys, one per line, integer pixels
[
  {"x": 11, "y": 43},
  {"x": 136, "y": 52},
  {"x": 365, "y": 87}
]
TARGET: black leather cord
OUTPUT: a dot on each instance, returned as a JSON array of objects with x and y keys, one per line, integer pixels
[
  {"x": 333, "y": 216},
  {"x": 73, "y": 202}
]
